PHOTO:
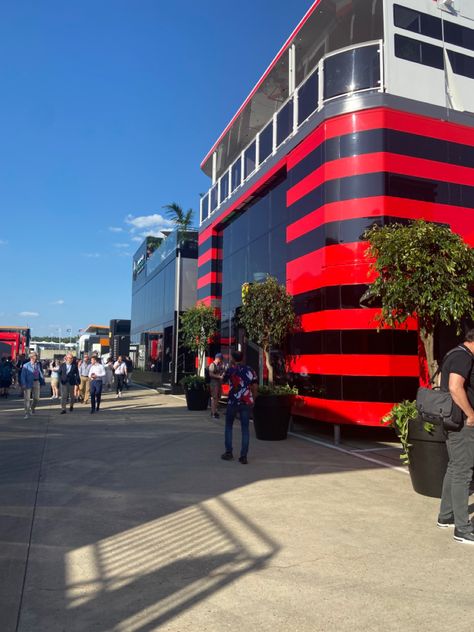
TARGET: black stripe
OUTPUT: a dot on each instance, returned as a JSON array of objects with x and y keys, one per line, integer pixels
[
  {"x": 334, "y": 233},
  {"x": 357, "y": 388},
  {"x": 383, "y": 184},
  {"x": 211, "y": 289},
  {"x": 214, "y": 241},
  {"x": 378, "y": 140},
  {"x": 213, "y": 265},
  {"x": 330, "y": 297},
  {"x": 355, "y": 341}
]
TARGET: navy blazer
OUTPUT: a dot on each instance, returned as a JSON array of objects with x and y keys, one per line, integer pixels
[{"x": 69, "y": 378}]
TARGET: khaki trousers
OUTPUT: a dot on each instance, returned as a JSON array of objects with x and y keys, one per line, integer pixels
[
  {"x": 31, "y": 397},
  {"x": 84, "y": 388}
]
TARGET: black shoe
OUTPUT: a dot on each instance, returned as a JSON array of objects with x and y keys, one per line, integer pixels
[
  {"x": 444, "y": 523},
  {"x": 466, "y": 538},
  {"x": 92, "y": 412},
  {"x": 243, "y": 460},
  {"x": 227, "y": 456},
  {"x": 216, "y": 415},
  {"x": 71, "y": 408},
  {"x": 63, "y": 412}
]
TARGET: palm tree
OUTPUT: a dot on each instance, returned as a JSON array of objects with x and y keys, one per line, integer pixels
[{"x": 181, "y": 219}]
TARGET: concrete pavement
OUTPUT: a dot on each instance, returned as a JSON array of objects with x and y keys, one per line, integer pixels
[{"x": 128, "y": 521}]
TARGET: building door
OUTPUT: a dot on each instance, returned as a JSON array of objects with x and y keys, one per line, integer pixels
[{"x": 167, "y": 354}]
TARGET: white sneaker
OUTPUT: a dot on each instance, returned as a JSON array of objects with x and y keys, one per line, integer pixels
[{"x": 26, "y": 416}]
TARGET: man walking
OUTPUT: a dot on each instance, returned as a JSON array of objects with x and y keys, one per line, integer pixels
[
  {"x": 96, "y": 375},
  {"x": 129, "y": 365},
  {"x": 120, "y": 369},
  {"x": 84, "y": 387},
  {"x": 31, "y": 379},
  {"x": 216, "y": 373},
  {"x": 457, "y": 377},
  {"x": 243, "y": 390},
  {"x": 69, "y": 379}
]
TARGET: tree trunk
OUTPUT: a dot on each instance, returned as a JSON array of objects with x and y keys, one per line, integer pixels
[
  {"x": 201, "y": 362},
  {"x": 428, "y": 343},
  {"x": 266, "y": 355}
]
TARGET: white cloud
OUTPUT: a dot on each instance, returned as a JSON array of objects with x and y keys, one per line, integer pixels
[
  {"x": 121, "y": 245},
  {"x": 124, "y": 253},
  {"x": 3, "y": 242},
  {"x": 91, "y": 255},
  {"x": 32, "y": 314},
  {"x": 115, "y": 229},
  {"x": 146, "y": 225},
  {"x": 60, "y": 301},
  {"x": 137, "y": 239}
]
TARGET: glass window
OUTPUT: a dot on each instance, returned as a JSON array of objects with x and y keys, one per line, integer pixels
[
  {"x": 249, "y": 159},
  {"x": 236, "y": 173},
  {"x": 417, "y": 22},
  {"x": 458, "y": 35},
  {"x": 265, "y": 143},
  {"x": 462, "y": 64},
  {"x": 284, "y": 122},
  {"x": 204, "y": 207},
  {"x": 308, "y": 96},
  {"x": 213, "y": 198},
  {"x": 352, "y": 70},
  {"x": 419, "y": 52},
  {"x": 224, "y": 184}
]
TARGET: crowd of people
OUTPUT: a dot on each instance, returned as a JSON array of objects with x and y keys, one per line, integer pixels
[{"x": 73, "y": 380}]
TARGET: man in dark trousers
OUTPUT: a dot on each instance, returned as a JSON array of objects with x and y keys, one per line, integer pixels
[
  {"x": 68, "y": 378},
  {"x": 243, "y": 390},
  {"x": 457, "y": 376}
]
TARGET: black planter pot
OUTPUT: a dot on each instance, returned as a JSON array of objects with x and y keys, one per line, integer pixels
[
  {"x": 428, "y": 458},
  {"x": 197, "y": 398},
  {"x": 271, "y": 416}
]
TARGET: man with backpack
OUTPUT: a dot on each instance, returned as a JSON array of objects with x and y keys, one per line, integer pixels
[{"x": 457, "y": 377}]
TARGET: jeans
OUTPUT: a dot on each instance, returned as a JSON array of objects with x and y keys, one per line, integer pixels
[
  {"x": 232, "y": 410},
  {"x": 31, "y": 397},
  {"x": 457, "y": 481},
  {"x": 120, "y": 379},
  {"x": 96, "y": 394}
]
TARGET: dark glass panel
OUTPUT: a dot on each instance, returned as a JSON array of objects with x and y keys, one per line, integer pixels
[
  {"x": 278, "y": 210},
  {"x": 284, "y": 122},
  {"x": 236, "y": 174},
  {"x": 458, "y": 35},
  {"x": 214, "y": 198},
  {"x": 249, "y": 159},
  {"x": 419, "y": 52},
  {"x": 406, "y": 18},
  {"x": 308, "y": 95},
  {"x": 224, "y": 184},
  {"x": 462, "y": 64},
  {"x": 265, "y": 143},
  {"x": 351, "y": 70},
  {"x": 351, "y": 295},
  {"x": 205, "y": 207}
]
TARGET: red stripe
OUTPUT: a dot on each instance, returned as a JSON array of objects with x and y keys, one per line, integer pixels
[
  {"x": 381, "y": 118},
  {"x": 346, "y": 319},
  {"x": 212, "y": 253},
  {"x": 341, "y": 412},
  {"x": 460, "y": 219},
  {"x": 332, "y": 265},
  {"x": 205, "y": 234},
  {"x": 360, "y": 365},
  {"x": 209, "y": 300},
  {"x": 207, "y": 279},
  {"x": 383, "y": 161}
]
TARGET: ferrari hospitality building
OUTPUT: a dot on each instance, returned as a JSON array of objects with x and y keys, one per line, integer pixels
[{"x": 365, "y": 115}]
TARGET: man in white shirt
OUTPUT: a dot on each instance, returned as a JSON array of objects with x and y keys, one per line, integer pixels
[
  {"x": 120, "y": 369},
  {"x": 96, "y": 374}
]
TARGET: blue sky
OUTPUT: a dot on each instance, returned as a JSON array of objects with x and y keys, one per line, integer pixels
[{"x": 107, "y": 108}]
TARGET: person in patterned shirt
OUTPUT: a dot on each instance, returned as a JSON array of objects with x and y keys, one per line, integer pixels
[{"x": 243, "y": 390}]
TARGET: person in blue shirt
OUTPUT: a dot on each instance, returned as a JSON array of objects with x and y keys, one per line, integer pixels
[
  {"x": 6, "y": 372},
  {"x": 31, "y": 379}
]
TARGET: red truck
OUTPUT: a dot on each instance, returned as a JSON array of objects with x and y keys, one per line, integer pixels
[{"x": 14, "y": 341}]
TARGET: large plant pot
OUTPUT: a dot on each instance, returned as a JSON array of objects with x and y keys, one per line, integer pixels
[
  {"x": 428, "y": 458},
  {"x": 271, "y": 416},
  {"x": 197, "y": 398}
]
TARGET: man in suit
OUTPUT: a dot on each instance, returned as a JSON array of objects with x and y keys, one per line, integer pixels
[{"x": 68, "y": 378}]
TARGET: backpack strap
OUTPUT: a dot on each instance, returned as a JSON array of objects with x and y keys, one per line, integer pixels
[{"x": 440, "y": 368}]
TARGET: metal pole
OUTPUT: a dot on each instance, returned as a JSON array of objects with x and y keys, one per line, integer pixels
[{"x": 178, "y": 305}]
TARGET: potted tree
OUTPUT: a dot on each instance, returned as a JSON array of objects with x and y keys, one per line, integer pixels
[
  {"x": 198, "y": 327},
  {"x": 423, "y": 271},
  {"x": 267, "y": 315}
]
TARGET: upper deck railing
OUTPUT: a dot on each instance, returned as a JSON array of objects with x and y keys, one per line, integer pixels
[{"x": 345, "y": 72}]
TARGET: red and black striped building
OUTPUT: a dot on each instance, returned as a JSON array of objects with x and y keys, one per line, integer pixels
[{"x": 296, "y": 200}]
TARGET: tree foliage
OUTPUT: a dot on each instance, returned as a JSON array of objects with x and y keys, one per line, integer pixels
[
  {"x": 182, "y": 219},
  {"x": 267, "y": 315},
  {"x": 198, "y": 326},
  {"x": 423, "y": 270}
]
